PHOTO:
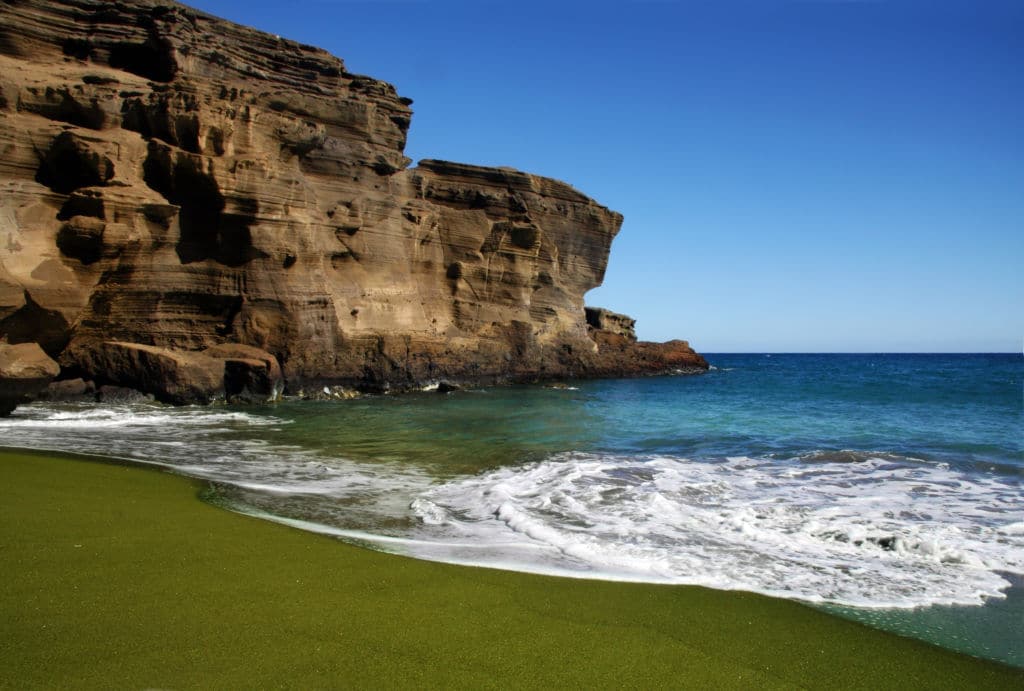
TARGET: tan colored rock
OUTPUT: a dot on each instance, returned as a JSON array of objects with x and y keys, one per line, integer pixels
[
  {"x": 171, "y": 376},
  {"x": 25, "y": 371},
  {"x": 176, "y": 180},
  {"x": 600, "y": 319},
  {"x": 251, "y": 375}
]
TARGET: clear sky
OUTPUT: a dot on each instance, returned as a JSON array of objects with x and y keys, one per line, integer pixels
[{"x": 796, "y": 175}]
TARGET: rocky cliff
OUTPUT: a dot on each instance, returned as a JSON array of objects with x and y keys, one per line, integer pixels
[{"x": 174, "y": 180}]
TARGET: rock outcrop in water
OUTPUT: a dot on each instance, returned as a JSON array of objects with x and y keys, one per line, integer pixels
[{"x": 178, "y": 182}]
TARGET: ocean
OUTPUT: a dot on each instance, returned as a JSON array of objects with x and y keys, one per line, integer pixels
[{"x": 884, "y": 488}]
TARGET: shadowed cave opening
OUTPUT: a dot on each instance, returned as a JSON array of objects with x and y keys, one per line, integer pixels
[
  {"x": 69, "y": 164},
  {"x": 83, "y": 203},
  {"x": 207, "y": 231},
  {"x": 154, "y": 120},
  {"x": 153, "y": 60},
  {"x": 82, "y": 238},
  {"x": 79, "y": 48},
  {"x": 33, "y": 323}
]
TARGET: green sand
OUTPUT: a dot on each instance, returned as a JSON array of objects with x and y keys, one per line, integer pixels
[{"x": 117, "y": 576}]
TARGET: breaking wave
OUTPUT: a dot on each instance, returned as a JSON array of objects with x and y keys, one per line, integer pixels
[
  {"x": 850, "y": 528},
  {"x": 863, "y": 529}
]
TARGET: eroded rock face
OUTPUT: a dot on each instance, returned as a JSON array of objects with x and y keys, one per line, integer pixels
[
  {"x": 174, "y": 180},
  {"x": 600, "y": 319},
  {"x": 25, "y": 371}
]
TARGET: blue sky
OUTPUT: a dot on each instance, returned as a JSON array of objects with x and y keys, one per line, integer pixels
[{"x": 796, "y": 175}]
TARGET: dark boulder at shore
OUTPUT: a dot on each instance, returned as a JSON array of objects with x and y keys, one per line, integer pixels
[
  {"x": 232, "y": 371},
  {"x": 171, "y": 376},
  {"x": 69, "y": 390}
]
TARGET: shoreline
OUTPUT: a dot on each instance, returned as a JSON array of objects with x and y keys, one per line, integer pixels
[{"x": 120, "y": 576}]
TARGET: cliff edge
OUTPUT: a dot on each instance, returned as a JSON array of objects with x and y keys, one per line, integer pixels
[{"x": 177, "y": 181}]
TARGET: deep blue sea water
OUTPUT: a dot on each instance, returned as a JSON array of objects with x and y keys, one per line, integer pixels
[{"x": 887, "y": 488}]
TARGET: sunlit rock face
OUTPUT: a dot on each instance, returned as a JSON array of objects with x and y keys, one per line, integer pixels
[
  {"x": 25, "y": 371},
  {"x": 175, "y": 180}
]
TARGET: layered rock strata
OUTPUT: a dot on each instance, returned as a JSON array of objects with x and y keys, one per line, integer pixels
[
  {"x": 600, "y": 319},
  {"x": 176, "y": 181}
]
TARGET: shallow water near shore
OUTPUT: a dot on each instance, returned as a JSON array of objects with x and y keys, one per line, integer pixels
[{"x": 887, "y": 488}]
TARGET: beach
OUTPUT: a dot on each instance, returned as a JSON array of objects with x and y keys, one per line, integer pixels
[{"x": 120, "y": 576}]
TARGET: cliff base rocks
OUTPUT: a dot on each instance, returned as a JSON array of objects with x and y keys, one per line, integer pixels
[
  {"x": 25, "y": 371},
  {"x": 231, "y": 371}
]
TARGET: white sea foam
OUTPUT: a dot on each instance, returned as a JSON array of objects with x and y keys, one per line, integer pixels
[
  {"x": 221, "y": 446},
  {"x": 852, "y": 528},
  {"x": 83, "y": 416},
  {"x": 875, "y": 532}
]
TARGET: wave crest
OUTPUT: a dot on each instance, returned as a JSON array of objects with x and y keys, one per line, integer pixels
[{"x": 884, "y": 531}]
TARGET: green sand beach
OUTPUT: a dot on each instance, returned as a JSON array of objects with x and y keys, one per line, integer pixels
[{"x": 119, "y": 576}]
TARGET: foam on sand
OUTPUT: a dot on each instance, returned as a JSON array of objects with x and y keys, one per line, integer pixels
[{"x": 867, "y": 532}]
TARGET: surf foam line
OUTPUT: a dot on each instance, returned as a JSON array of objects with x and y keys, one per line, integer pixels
[
  {"x": 851, "y": 528},
  {"x": 220, "y": 446},
  {"x": 874, "y": 533},
  {"x": 443, "y": 552}
]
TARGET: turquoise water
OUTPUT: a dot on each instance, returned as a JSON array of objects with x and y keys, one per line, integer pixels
[{"x": 887, "y": 488}]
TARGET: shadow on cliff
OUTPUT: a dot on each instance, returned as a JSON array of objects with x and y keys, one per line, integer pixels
[{"x": 207, "y": 230}]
